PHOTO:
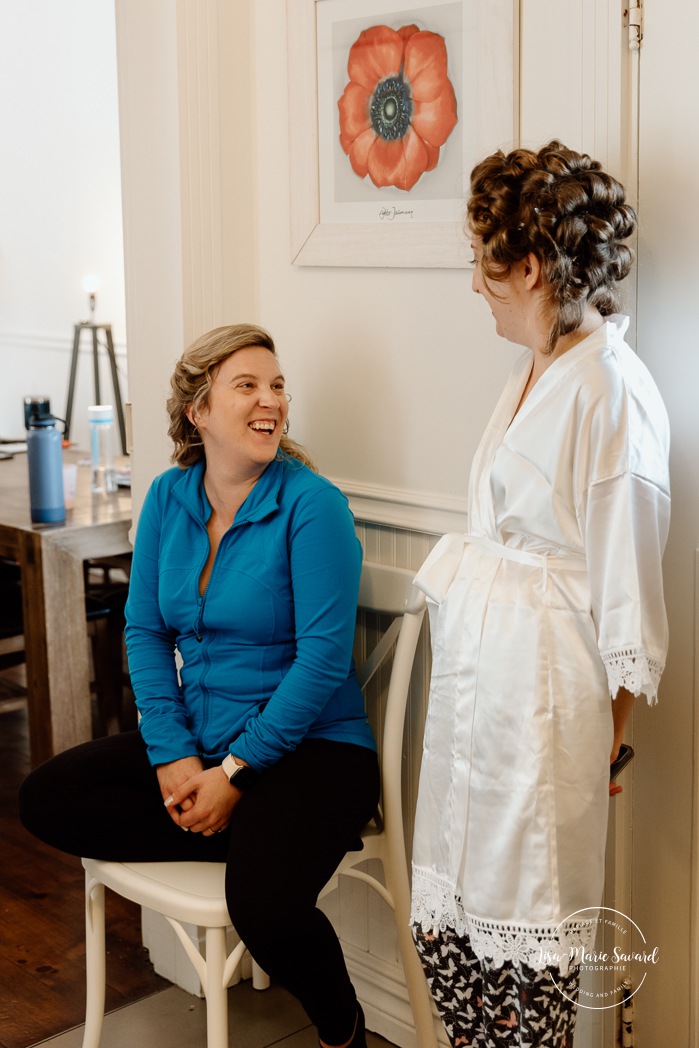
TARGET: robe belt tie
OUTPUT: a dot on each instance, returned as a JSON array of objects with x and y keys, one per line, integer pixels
[{"x": 439, "y": 570}]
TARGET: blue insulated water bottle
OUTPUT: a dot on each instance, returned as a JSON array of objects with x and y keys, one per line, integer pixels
[{"x": 45, "y": 460}]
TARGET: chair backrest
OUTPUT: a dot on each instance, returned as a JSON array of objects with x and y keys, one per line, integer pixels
[{"x": 392, "y": 627}]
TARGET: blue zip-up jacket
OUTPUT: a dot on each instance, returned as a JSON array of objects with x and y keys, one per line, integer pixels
[{"x": 267, "y": 651}]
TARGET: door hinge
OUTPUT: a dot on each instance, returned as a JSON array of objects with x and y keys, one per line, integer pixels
[{"x": 633, "y": 16}]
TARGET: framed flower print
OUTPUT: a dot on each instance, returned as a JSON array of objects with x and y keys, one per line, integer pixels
[{"x": 390, "y": 106}]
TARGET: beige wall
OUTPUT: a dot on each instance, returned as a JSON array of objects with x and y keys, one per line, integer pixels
[{"x": 392, "y": 371}]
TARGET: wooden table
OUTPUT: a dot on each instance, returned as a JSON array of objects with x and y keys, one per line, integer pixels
[{"x": 53, "y": 594}]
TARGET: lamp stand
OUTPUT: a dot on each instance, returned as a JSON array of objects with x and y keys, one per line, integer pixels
[{"x": 88, "y": 325}]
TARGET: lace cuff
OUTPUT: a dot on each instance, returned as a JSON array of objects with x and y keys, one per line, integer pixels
[
  {"x": 436, "y": 907},
  {"x": 634, "y": 670},
  {"x": 558, "y": 946}
]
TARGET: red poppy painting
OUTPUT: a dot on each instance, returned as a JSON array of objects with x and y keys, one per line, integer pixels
[
  {"x": 399, "y": 107},
  {"x": 390, "y": 106}
]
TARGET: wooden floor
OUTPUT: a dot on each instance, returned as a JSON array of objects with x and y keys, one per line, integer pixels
[{"x": 42, "y": 952}]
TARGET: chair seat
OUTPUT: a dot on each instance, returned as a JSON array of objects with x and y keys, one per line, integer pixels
[
  {"x": 186, "y": 891},
  {"x": 193, "y": 891}
]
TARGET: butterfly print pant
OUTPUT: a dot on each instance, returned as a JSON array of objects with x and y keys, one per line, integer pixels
[{"x": 509, "y": 1007}]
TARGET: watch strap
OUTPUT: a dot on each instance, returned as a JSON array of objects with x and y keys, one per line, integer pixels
[{"x": 239, "y": 775}]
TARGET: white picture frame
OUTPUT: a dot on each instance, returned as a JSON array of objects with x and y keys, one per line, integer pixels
[{"x": 492, "y": 104}]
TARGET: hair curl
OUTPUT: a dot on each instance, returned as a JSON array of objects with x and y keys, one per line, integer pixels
[
  {"x": 561, "y": 206},
  {"x": 191, "y": 384}
]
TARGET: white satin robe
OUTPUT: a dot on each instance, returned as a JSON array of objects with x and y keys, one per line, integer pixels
[{"x": 552, "y": 601}]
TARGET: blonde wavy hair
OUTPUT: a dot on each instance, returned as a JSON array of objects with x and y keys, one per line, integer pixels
[{"x": 191, "y": 384}]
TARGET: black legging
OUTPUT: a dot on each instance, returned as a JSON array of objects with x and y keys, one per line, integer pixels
[{"x": 287, "y": 835}]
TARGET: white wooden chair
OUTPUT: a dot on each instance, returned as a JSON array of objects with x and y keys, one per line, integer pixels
[{"x": 193, "y": 893}]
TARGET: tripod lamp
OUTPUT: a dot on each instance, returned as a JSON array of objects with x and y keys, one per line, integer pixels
[{"x": 91, "y": 285}]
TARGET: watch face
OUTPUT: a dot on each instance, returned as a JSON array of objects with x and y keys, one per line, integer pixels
[
  {"x": 239, "y": 775},
  {"x": 243, "y": 777}
]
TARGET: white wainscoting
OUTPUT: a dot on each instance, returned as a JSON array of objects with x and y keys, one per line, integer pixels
[{"x": 411, "y": 512}]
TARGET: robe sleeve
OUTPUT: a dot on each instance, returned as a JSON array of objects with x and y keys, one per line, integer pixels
[
  {"x": 626, "y": 521},
  {"x": 623, "y": 509}
]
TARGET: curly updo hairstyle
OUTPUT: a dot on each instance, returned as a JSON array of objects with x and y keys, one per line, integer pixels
[
  {"x": 561, "y": 206},
  {"x": 191, "y": 384}
]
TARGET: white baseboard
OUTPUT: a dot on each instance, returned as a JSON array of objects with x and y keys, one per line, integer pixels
[{"x": 381, "y": 988}]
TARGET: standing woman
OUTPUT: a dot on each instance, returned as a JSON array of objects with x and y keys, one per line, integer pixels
[
  {"x": 258, "y": 753},
  {"x": 547, "y": 617}
]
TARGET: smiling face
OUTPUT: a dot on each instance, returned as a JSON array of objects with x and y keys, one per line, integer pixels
[{"x": 247, "y": 407}]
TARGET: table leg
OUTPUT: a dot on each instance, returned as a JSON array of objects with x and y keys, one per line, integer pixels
[{"x": 56, "y": 645}]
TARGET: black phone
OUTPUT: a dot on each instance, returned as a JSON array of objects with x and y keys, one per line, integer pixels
[{"x": 625, "y": 755}]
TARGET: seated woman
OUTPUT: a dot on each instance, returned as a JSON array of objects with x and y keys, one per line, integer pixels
[{"x": 259, "y": 753}]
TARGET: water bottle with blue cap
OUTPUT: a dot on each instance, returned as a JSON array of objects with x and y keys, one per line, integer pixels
[{"x": 45, "y": 461}]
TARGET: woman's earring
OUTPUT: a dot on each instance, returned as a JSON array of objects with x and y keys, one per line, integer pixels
[{"x": 286, "y": 428}]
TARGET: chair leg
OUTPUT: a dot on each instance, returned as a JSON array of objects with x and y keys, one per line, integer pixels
[
  {"x": 95, "y": 961},
  {"x": 260, "y": 978},
  {"x": 396, "y": 874},
  {"x": 216, "y": 992}
]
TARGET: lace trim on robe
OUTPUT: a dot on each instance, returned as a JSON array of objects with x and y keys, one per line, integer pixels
[
  {"x": 634, "y": 670},
  {"x": 436, "y": 907}
]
